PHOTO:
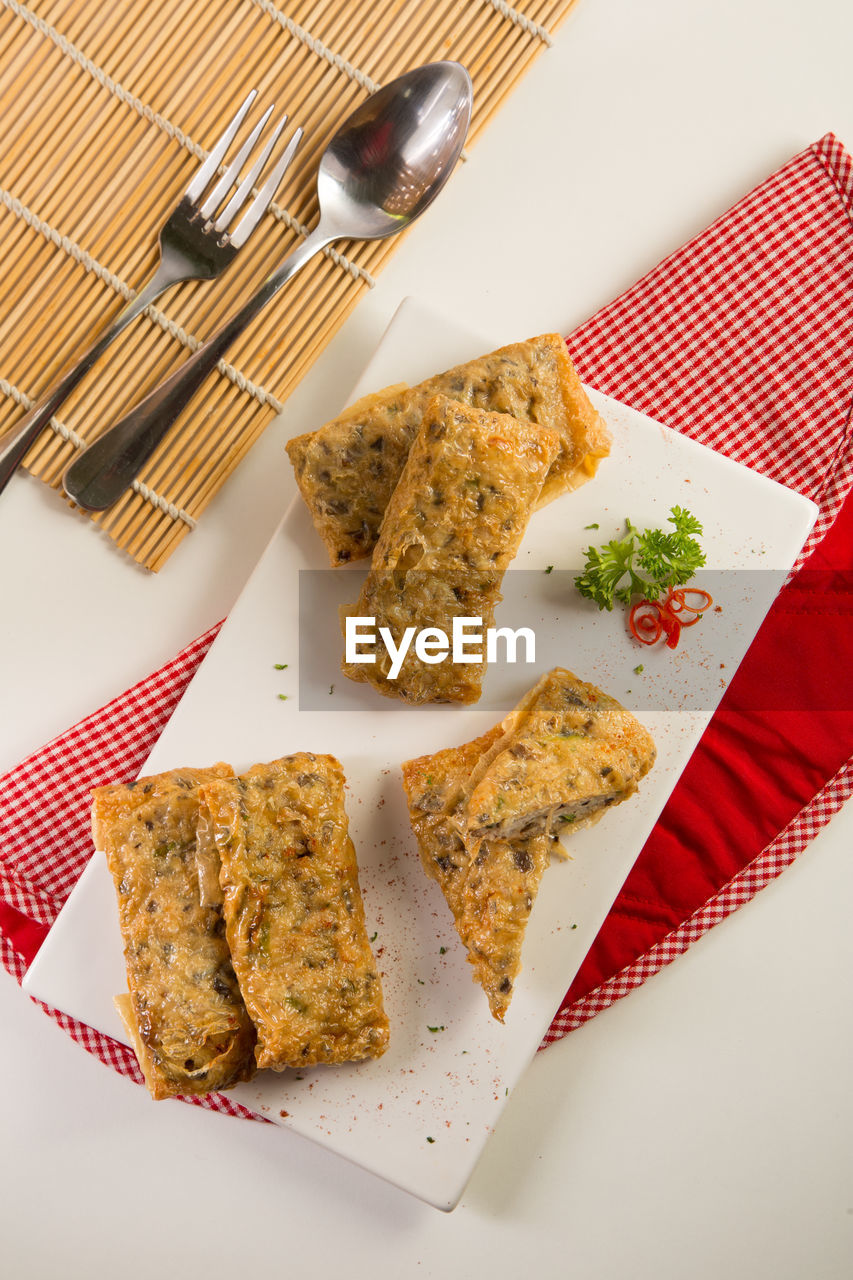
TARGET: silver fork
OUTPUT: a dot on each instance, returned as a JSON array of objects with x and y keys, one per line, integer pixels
[{"x": 193, "y": 246}]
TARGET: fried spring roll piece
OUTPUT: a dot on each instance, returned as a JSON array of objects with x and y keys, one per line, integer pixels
[
  {"x": 452, "y": 526},
  {"x": 348, "y": 469},
  {"x": 568, "y": 751},
  {"x": 500, "y": 889},
  {"x": 490, "y": 892},
  {"x": 486, "y": 815},
  {"x": 294, "y": 916},
  {"x": 184, "y": 1013},
  {"x": 435, "y": 787}
]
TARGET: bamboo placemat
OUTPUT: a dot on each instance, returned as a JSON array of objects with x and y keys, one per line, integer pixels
[{"x": 107, "y": 110}]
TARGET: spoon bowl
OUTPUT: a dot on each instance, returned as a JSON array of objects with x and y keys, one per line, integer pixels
[
  {"x": 393, "y": 155},
  {"x": 384, "y": 166}
]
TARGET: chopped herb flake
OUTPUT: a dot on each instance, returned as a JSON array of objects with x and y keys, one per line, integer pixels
[
  {"x": 441, "y": 950},
  {"x": 430, "y": 1139},
  {"x": 595, "y": 525},
  {"x": 375, "y": 936},
  {"x": 282, "y": 697},
  {"x": 434, "y": 1029},
  {"x": 550, "y": 569},
  {"x": 638, "y": 669},
  {"x": 281, "y": 666}
]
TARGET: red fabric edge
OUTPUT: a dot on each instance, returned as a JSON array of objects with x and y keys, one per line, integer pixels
[
  {"x": 769, "y": 864},
  {"x": 836, "y": 160},
  {"x": 24, "y": 934}
]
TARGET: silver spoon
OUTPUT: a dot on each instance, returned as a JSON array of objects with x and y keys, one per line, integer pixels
[{"x": 381, "y": 170}]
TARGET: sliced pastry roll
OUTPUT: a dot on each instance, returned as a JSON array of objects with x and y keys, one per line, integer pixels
[
  {"x": 347, "y": 470},
  {"x": 183, "y": 1012},
  {"x": 500, "y": 889},
  {"x": 294, "y": 916},
  {"x": 568, "y": 751},
  {"x": 487, "y": 815},
  {"x": 435, "y": 788},
  {"x": 452, "y": 526},
  {"x": 536, "y": 381},
  {"x": 490, "y": 892}
]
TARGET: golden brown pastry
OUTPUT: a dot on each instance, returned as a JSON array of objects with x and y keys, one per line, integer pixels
[
  {"x": 487, "y": 815},
  {"x": 435, "y": 787},
  {"x": 490, "y": 892},
  {"x": 184, "y": 1014},
  {"x": 452, "y": 526},
  {"x": 568, "y": 752},
  {"x": 348, "y": 469},
  {"x": 294, "y": 917}
]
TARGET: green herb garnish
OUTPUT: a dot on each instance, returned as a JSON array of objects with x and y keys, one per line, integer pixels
[{"x": 643, "y": 563}]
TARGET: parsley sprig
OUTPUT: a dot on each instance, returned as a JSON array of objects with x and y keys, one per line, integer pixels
[{"x": 645, "y": 563}]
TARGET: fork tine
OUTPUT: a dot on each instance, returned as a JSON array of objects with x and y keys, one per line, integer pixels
[
  {"x": 259, "y": 205},
  {"x": 216, "y": 156},
  {"x": 237, "y": 200},
  {"x": 224, "y": 184}
]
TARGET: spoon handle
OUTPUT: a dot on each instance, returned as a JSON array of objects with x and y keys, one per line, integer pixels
[
  {"x": 99, "y": 475},
  {"x": 20, "y": 438}
]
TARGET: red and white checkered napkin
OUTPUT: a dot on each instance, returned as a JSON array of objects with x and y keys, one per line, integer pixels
[{"x": 742, "y": 340}]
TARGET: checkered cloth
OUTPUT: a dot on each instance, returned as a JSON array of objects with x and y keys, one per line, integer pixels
[{"x": 742, "y": 340}]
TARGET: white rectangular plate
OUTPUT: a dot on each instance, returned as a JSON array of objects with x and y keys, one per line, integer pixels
[{"x": 420, "y": 1116}]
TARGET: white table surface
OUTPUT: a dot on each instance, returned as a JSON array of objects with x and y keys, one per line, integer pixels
[{"x": 704, "y": 1125}]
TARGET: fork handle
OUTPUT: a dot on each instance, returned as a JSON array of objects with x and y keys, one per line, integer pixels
[
  {"x": 17, "y": 441},
  {"x": 99, "y": 475}
]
